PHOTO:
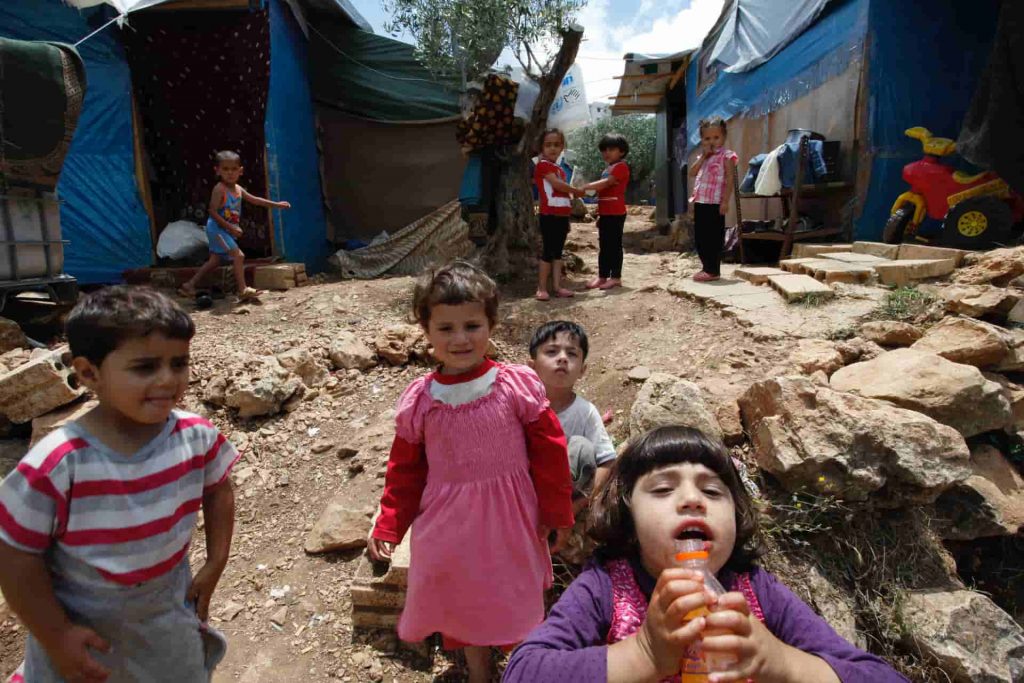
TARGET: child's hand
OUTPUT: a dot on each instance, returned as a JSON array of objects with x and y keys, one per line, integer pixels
[
  {"x": 283, "y": 205},
  {"x": 747, "y": 639},
  {"x": 723, "y": 209},
  {"x": 235, "y": 231},
  {"x": 201, "y": 590},
  {"x": 70, "y": 654},
  {"x": 663, "y": 636},
  {"x": 380, "y": 551}
]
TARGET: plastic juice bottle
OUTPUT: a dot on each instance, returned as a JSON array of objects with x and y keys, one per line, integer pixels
[{"x": 697, "y": 664}]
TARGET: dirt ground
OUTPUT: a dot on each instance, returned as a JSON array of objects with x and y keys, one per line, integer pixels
[{"x": 286, "y": 484}]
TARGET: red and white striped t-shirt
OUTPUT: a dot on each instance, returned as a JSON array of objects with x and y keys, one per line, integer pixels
[{"x": 128, "y": 517}]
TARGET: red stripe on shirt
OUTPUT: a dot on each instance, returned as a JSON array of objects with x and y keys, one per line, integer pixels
[
  {"x": 59, "y": 453},
  {"x": 215, "y": 448},
  {"x": 132, "y": 533},
  {"x": 119, "y": 487},
  {"x": 227, "y": 471},
  {"x": 147, "y": 573},
  {"x": 44, "y": 485},
  {"x": 19, "y": 534},
  {"x": 186, "y": 422}
]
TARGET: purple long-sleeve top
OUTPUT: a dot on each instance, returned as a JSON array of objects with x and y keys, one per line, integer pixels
[{"x": 571, "y": 645}]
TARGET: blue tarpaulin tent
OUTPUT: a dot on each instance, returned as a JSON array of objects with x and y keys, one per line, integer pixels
[
  {"x": 104, "y": 215},
  {"x": 860, "y": 71}
]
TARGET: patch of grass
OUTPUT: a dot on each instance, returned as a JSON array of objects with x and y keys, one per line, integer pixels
[
  {"x": 903, "y": 303},
  {"x": 812, "y": 300}
]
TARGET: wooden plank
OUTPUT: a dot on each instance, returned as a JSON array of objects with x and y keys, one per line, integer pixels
[
  {"x": 271, "y": 224},
  {"x": 200, "y": 4},
  {"x": 642, "y": 77},
  {"x": 142, "y": 177},
  {"x": 659, "y": 95},
  {"x": 680, "y": 72}
]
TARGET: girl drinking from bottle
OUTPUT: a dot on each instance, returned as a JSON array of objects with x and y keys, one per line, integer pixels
[
  {"x": 479, "y": 468},
  {"x": 627, "y": 617}
]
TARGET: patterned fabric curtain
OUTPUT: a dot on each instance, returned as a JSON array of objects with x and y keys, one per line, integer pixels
[{"x": 200, "y": 80}]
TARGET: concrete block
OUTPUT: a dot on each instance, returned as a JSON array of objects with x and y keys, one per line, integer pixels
[
  {"x": 797, "y": 287},
  {"x": 829, "y": 271},
  {"x": 900, "y": 273},
  {"x": 279, "y": 276},
  {"x": 44, "y": 424},
  {"x": 923, "y": 251},
  {"x": 756, "y": 275},
  {"x": 793, "y": 265},
  {"x": 378, "y": 591},
  {"x": 859, "y": 259},
  {"x": 39, "y": 386},
  {"x": 881, "y": 249},
  {"x": 806, "y": 250},
  {"x": 369, "y": 618}
]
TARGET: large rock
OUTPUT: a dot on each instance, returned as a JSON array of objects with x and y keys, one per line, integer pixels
[
  {"x": 348, "y": 353},
  {"x": 966, "y": 634},
  {"x": 954, "y": 394},
  {"x": 44, "y": 424},
  {"x": 858, "y": 349},
  {"x": 399, "y": 343},
  {"x": 256, "y": 386},
  {"x": 11, "y": 336},
  {"x": 668, "y": 400},
  {"x": 998, "y": 266},
  {"x": 1014, "y": 360},
  {"x": 988, "y": 503},
  {"x": 812, "y": 355},
  {"x": 976, "y": 301},
  {"x": 809, "y": 435},
  {"x": 890, "y": 333},
  {"x": 965, "y": 340},
  {"x": 302, "y": 363},
  {"x": 1014, "y": 393},
  {"x": 339, "y": 528}
]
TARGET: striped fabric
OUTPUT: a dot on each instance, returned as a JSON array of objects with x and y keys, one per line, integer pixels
[{"x": 130, "y": 518}]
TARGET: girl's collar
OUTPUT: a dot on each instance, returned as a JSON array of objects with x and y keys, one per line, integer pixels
[{"x": 469, "y": 375}]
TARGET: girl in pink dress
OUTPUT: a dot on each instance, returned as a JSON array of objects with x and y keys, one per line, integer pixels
[{"x": 479, "y": 469}]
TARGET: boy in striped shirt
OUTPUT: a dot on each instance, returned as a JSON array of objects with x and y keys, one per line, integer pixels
[{"x": 96, "y": 520}]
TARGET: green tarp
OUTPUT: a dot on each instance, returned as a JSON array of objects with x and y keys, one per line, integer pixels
[{"x": 374, "y": 77}]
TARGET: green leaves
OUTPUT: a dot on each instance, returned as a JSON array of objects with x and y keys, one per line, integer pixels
[
  {"x": 640, "y": 132},
  {"x": 463, "y": 38}
]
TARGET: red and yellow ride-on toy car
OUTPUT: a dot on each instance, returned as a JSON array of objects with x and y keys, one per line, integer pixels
[{"x": 977, "y": 211}]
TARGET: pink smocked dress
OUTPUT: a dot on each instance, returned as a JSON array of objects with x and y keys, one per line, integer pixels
[{"x": 478, "y": 569}]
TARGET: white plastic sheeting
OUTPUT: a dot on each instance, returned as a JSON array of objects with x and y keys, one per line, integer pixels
[
  {"x": 755, "y": 30},
  {"x": 570, "y": 108}
]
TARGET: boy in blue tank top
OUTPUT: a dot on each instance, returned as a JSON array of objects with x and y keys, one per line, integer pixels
[{"x": 223, "y": 226}]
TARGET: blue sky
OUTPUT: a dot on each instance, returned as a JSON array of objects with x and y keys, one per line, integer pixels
[{"x": 614, "y": 27}]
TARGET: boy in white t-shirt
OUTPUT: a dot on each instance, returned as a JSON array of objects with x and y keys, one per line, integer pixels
[{"x": 558, "y": 353}]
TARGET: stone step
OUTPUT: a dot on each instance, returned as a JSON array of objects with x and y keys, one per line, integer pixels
[
  {"x": 378, "y": 591},
  {"x": 829, "y": 272},
  {"x": 797, "y": 287},
  {"x": 756, "y": 275},
  {"x": 923, "y": 251},
  {"x": 793, "y": 265},
  {"x": 859, "y": 259},
  {"x": 902, "y": 272},
  {"x": 806, "y": 250},
  {"x": 889, "y": 251}
]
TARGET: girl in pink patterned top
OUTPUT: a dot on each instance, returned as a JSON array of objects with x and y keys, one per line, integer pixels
[
  {"x": 712, "y": 188},
  {"x": 480, "y": 471}
]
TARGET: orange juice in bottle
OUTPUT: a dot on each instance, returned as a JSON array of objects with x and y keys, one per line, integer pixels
[{"x": 697, "y": 664}]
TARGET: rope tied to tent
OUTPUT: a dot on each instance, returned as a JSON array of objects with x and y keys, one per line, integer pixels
[{"x": 118, "y": 19}]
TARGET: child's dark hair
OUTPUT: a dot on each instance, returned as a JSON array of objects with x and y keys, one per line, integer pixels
[
  {"x": 104, "y": 319},
  {"x": 616, "y": 141},
  {"x": 712, "y": 122},
  {"x": 457, "y": 283},
  {"x": 546, "y": 133},
  {"x": 611, "y": 521},
  {"x": 226, "y": 155},
  {"x": 550, "y": 330}
]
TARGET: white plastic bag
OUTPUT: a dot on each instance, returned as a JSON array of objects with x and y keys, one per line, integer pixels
[{"x": 180, "y": 240}]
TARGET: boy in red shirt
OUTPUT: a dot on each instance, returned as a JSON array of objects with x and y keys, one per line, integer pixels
[{"x": 611, "y": 206}]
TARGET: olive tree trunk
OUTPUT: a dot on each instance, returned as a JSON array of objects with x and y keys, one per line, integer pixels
[{"x": 510, "y": 252}]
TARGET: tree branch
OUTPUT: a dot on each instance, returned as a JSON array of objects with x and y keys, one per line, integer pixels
[{"x": 552, "y": 78}]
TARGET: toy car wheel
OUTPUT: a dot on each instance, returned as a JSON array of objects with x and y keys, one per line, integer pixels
[
  {"x": 896, "y": 226},
  {"x": 978, "y": 223}
]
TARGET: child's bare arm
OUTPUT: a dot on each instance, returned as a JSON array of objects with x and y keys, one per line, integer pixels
[
  {"x": 219, "y": 515},
  {"x": 260, "y": 201},
  {"x": 560, "y": 184},
  {"x": 603, "y": 183},
  {"x": 216, "y": 201},
  {"x": 26, "y": 585}
]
